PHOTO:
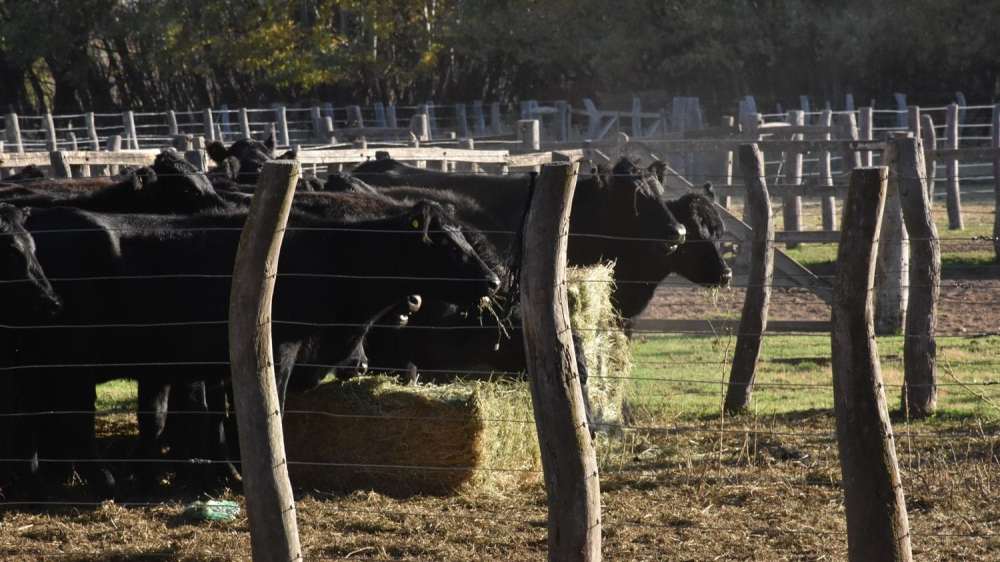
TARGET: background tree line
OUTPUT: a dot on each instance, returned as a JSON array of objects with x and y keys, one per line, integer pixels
[{"x": 75, "y": 55}]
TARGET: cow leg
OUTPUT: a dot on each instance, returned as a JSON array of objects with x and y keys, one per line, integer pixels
[
  {"x": 69, "y": 438},
  {"x": 152, "y": 418},
  {"x": 220, "y": 472},
  {"x": 284, "y": 363}
]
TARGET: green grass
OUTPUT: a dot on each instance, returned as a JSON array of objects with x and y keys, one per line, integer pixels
[
  {"x": 683, "y": 376},
  {"x": 120, "y": 395}
]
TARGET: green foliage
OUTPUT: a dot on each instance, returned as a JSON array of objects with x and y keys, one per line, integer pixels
[{"x": 93, "y": 54}]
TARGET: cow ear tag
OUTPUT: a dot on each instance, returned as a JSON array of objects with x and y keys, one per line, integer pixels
[{"x": 415, "y": 224}]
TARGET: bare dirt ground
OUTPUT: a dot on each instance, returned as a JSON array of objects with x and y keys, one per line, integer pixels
[{"x": 749, "y": 489}]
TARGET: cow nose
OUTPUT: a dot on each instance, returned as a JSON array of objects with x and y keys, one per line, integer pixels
[
  {"x": 413, "y": 302},
  {"x": 493, "y": 282},
  {"x": 362, "y": 367}
]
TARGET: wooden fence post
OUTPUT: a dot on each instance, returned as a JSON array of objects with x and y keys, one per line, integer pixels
[
  {"x": 93, "y": 139},
  {"x": 209, "y": 125},
  {"x": 828, "y": 203},
  {"x": 496, "y": 122},
  {"x": 281, "y": 117},
  {"x": 792, "y": 204},
  {"x": 866, "y": 127},
  {"x": 726, "y": 165},
  {"x": 354, "y": 117},
  {"x": 902, "y": 117},
  {"x": 954, "y": 192},
  {"x": 919, "y": 398},
  {"x": 48, "y": 124},
  {"x": 197, "y": 158},
  {"x": 568, "y": 458},
  {"x": 563, "y": 119},
  {"x": 461, "y": 121},
  {"x": 996, "y": 181},
  {"x": 60, "y": 169},
  {"x": 753, "y": 321},
  {"x": 114, "y": 145},
  {"x": 172, "y": 128},
  {"x": 420, "y": 126},
  {"x": 13, "y": 132},
  {"x": 245, "y": 129},
  {"x": 390, "y": 116},
  {"x": 929, "y": 138},
  {"x": 529, "y": 131},
  {"x": 131, "y": 137},
  {"x": 892, "y": 271},
  {"x": 316, "y": 116},
  {"x": 270, "y": 505},
  {"x": 877, "y": 524},
  {"x": 379, "y": 109}
]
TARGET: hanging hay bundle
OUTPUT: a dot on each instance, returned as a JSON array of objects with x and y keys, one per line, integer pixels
[{"x": 374, "y": 433}]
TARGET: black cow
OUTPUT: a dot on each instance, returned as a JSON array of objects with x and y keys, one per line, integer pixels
[
  {"x": 244, "y": 159},
  {"x": 171, "y": 185},
  {"x": 330, "y": 271},
  {"x": 621, "y": 216}
]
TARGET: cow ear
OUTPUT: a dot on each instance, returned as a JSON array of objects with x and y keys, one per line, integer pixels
[
  {"x": 216, "y": 151},
  {"x": 709, "y": 191}
]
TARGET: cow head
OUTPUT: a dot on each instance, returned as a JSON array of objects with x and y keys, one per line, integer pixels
[
  {"x": 176, "y": 186},
  {"x": 636, "y": 207},
  {"x": 440, "y": 248},
  {"x": 249, "y": 153},
  {"x": 27, "y": 292},
  {"x": 698, "y": 260}
]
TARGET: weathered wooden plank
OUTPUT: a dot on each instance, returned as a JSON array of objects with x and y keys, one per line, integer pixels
[
  {"x": 893, "y": 262},
  {"x": 347, "y": 156}
]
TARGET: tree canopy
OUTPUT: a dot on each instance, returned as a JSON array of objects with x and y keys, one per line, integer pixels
[{"x": 73, "y": 55}]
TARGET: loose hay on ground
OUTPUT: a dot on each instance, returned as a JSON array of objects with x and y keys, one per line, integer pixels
[{"x": 373, "y": 433}]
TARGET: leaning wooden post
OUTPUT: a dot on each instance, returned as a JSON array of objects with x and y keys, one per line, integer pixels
[
  {"x": 954, "y": 199},
  {"x": 569, "y": 461},
  {"x": 996, "y": 181},
  {"x": 245, "y": 124},
  {"x": 172, "y": 127},
  {"x": 12, "y": 130},
  {"x": 792, "y": 204},
  {"x": 828, "y": 203},
  {"x": 51, "y": 142},
  {"x": 929, "y": 137},
  {"x": 131, "y": 137},
  {"x": 892, "y": 270},
  {"x": 270, "y": 506},
  {"x": 877, "y": 524},
  {"x": 919, "y": 346},
  {"x": 753, "y": 321}
]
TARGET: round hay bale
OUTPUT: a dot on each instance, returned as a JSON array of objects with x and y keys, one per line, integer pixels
[{"x": 372, "y": 433}]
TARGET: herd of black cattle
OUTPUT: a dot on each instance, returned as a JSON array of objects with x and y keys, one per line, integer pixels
[{"x": 389, "y": 267}]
